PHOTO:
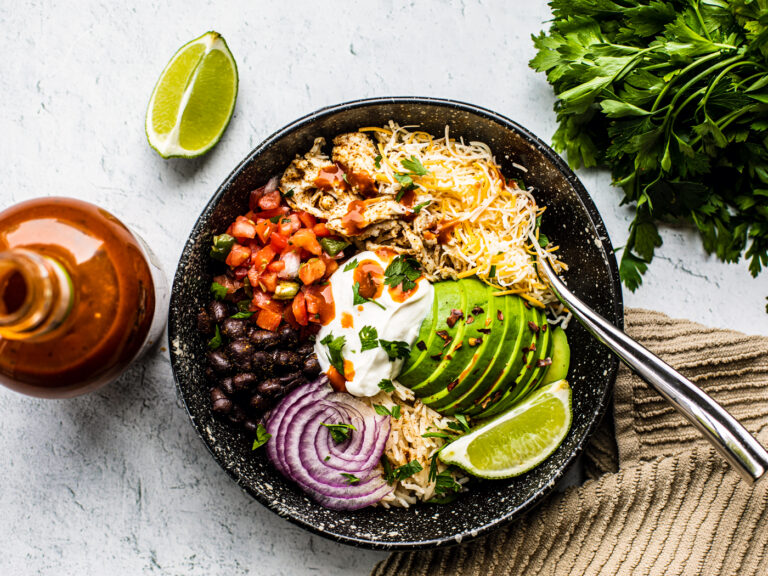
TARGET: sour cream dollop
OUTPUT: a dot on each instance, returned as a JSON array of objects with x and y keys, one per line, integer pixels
[{"x": 397, "y": 319}]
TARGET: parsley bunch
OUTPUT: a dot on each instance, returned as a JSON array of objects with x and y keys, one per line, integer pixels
[{"x": 672, "y": 96}]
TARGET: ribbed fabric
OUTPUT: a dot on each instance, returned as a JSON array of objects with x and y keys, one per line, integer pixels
[{"x": 661, "y": 501}]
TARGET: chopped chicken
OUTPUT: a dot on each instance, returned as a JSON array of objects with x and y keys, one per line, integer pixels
[
  {"x": 300, "y": 175},
  {"x": 356, "y": 154}
]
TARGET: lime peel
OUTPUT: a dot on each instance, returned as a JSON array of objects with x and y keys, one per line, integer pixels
[
  {"x": 518, "y": 440},
  {"x": 170, "y": 124}
]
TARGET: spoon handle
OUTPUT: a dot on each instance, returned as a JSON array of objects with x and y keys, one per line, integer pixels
[{"x": 725, "y": 433}]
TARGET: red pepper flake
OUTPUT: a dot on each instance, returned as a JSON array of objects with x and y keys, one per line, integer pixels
[
  {"x": 421, "y": 346},
  {"x": 500, "y": 315},
  {"x": 470, "y": 319},
  {"x": 436, "y": 356},
  {"x": 525, "y": 303},
  {"x": 444, "y": 335},
  {"x": 534, "y": 327},
  {"x": 545, "y": 362},
  {"x": 455, "y": 316},
  {"x": 533, "y": 347},
  {"x": 452, "y": 385},
  {"x": 477, "y": 310},
  {"x": 484, "y": 330},
  {"x": 544, "y": 327},
  {"x": 497, "y": 396},
  {"x": 448, "y": 357}
]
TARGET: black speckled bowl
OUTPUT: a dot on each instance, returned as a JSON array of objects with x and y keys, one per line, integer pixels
[{"x": 572, "y": 221}]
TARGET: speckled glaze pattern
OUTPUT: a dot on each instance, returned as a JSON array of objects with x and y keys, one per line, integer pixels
[{"x": 571, "y": 221}]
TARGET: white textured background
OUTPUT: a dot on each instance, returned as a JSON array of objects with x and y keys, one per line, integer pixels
[{"x": 117, "y": 482}]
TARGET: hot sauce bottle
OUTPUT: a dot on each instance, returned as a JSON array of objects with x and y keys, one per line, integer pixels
[{"x": 81, "y": 297}]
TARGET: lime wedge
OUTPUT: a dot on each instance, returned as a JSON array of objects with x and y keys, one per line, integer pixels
[
  {"x": 519, "y": 439},
  {"x": 194, "y": 98}
]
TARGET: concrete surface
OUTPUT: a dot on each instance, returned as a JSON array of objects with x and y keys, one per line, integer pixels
[{"x": 117, "y": 482}]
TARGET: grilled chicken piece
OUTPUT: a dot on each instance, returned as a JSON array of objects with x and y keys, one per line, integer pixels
[
  {"x": 356, "y": 154},
  {"x": 300, "y": 175}
]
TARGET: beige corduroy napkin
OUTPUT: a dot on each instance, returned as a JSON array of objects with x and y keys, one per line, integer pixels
[{"x": 661, "y": 501}]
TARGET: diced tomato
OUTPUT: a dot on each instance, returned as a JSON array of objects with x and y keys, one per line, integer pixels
[
  {"x": 321, "y": 230},
  {"x": 253, "y": 276},
  {"x": 276, "y": 266},
  {"x": 330, "y": 264},
  {"x": 243, "y": 228},
  {"x": 264, "y": 229},
  {"x": 278, "y": 242},
  {"x": 299, "y": 309},
  {"x": 268, "y": 281},
  {"x": 263, "y": 257},
  {"x": 232, "y": 286},
  {"x": 268, "y": 320},
  {"x": 270, "y": 200},
  {"x": 254, "y": 197},
  {"x": 307, "y": 219},
  {"x": 279, "y": 211},
  {"x": 321, "y": 308},
  {"x": 312, "y": 270},
  {"x": 238, "y": 255},
  {"x": 295, "y": 222},
  {"x": 264, "y": 301},
  {"x": 290, "y": 318},
  {"x": 306, "y": 239},
  {"x": 240, "y": 272},
  {"x": 284, "y": 226}
]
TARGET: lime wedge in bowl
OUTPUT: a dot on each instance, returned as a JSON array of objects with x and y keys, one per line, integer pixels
[
  {"x": 518, "y": 440},
  {"x": 194, "y": 98}
]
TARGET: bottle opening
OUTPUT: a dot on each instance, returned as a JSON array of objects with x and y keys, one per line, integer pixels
[{"x": 14, "y": 290}]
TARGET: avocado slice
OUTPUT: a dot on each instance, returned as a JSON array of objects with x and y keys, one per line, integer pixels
[
  {"x": 426, "y": 335},
  {"x": 534, "y": 372},
  {"x": 516, "y": 370},
  {"x": 561, "y": 357},
  {"x": 505, "y": 337},
  {"x": 470, "y": 361},
  {"x": 460, "y": 352},
  {"x": 448, "y": 295}
]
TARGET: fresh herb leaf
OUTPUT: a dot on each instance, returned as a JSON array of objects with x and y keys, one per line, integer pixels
[
  {"x": 328, "y": 457},
  {"x": 543, "y": 240},
  {"x": 351, "y": 265},
  {"x": 446, "y": 483},
  {"x": 418, "y": 207},
  {"x": 395, "y": 349},
  {"x": 261, "y": 437},
  {"x": 384, "y": 411},
  {"x": 357, "y": 299},
  {"x": 222, "y": 244},
  {"x": 443, "y": 435},
  {"x": 406, "y": 183},
  {"x": 377, "y": 162},
  {"x": 219, "y": 292},
  {"x": 240, "y": 315},
  {"x": 403, "y": 270},
  {"x": 288, "y": 194},
  {"x": 244, "y": 305},
  {"x": 386, "y": 385},
  {"x": 463, "y": 421},
  {"x": 351, "y": 478},
  {"x": 403, "y": 472},
  {"x": 335, "y": 346},
  {"x": 368, "y": 338},
  {"x": 215, "y": 342},
  {"x": 414, "y": 166},
  {"x": 492, "y": 271},
  {"x": 432, "y": 475},
  {"x": 339, "y": 432}
]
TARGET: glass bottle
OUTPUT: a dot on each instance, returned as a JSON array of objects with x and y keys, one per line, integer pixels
[{"x": 81, "y": 297}]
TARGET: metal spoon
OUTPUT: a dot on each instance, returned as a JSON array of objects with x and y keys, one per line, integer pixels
[{"x": 725, "y": 433}]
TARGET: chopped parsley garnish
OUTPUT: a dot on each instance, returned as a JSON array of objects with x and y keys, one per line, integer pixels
[
  {"x": 432, "y": 475},
  {"x": 219, "y": 292},
  {"x": 377, "y": 162},
  {"x": 445, "y": 482},
  {"x": 369, "y": 338},
  {"x": 243, "y": 314},
  {"x": 403, "y": 270},
  {"x": 386, "y": 385},
  {"x": 215, "y": 342},
  {"x": 327, "y": 458},
  {"x": 418, "y": 207},
  {"x": 406, "y": 183},
  {"x": 351, "y": 265},
  {"x": 275, "y": 219},
  {"x": 443, "y": 435},
  {"x": 543, "y": 240},
  {"x": 335, "y": 346},
  {"x": 384, "y": 411},
  {"x": 402, "y": 472},
  {"x": 339, "y": 432},
  {"x": 461, "y": 426},
  {"x": 357, "y": 299},
  {"x": 288, "y": 194},
  {"x": 414, "y": 166},
  {"x": 351, "y": 478},
  {"x": 395, "y": 349},
  {"x": 492, "y": 272},
  {"x": 261, "y": 437}
]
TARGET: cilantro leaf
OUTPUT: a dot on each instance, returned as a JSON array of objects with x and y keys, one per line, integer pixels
[
  {"x": 351, "y": 265},
  {"x": 215, "y": 342},
  {"x": 357, "y": 299},
  {"x": 414, "y": 166},
  {"x": 395, "y": 349},
  {"x": 403, "y": 270},
  {"x": 445, "y": 482},
  {"x": 335, "y": 346},
  {"x": 219, "y": 292},
  {"x": 261, "y": 437},
  {"x": 416, "y": 209},
  {"x": 377, "y": 162},
  {"x": 368, "y": 338},
  {"x": 351, "y": 478},
  {"x": 403, "y": 472},
  {"x": 339, "y": 432},
  {"x": 243, "y": 314},
  {"x": 386, "y": 385}
]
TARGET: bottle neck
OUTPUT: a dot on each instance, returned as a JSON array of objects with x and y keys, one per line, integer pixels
[{"x": 36, "y": 294}]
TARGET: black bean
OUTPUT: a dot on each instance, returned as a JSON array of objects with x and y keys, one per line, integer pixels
[
  {"x": 262, "y": 363},
  {"x": 205, "y": 323},
  {"x": 221, "y": 404},
  {"x": 288, "y": 378},
  {"x": 298, "y": 381},
  {"x": 219, "y": 361},
  {"x": 245, "y": 382},
  {"x": 270, "y": 388},
  {"x": 227, "y": 385},
  {"x": 233, "y": 328},
  {"x": 240, "y": 352},
  {"x": 258, "y": 403},
  {"x": 286, "y": 359},
  {"x": 289, "y": 337},
  {"x": 218, "y": 311},
  {"x": 311, "y": 367},
  {"x": 237, "y": 414},
  {"x": 306, "y": 349},
  {"x": 263, "y": 339}
]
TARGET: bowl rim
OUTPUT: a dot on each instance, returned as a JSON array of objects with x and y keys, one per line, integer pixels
[{"x": 618, "y": 309}]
